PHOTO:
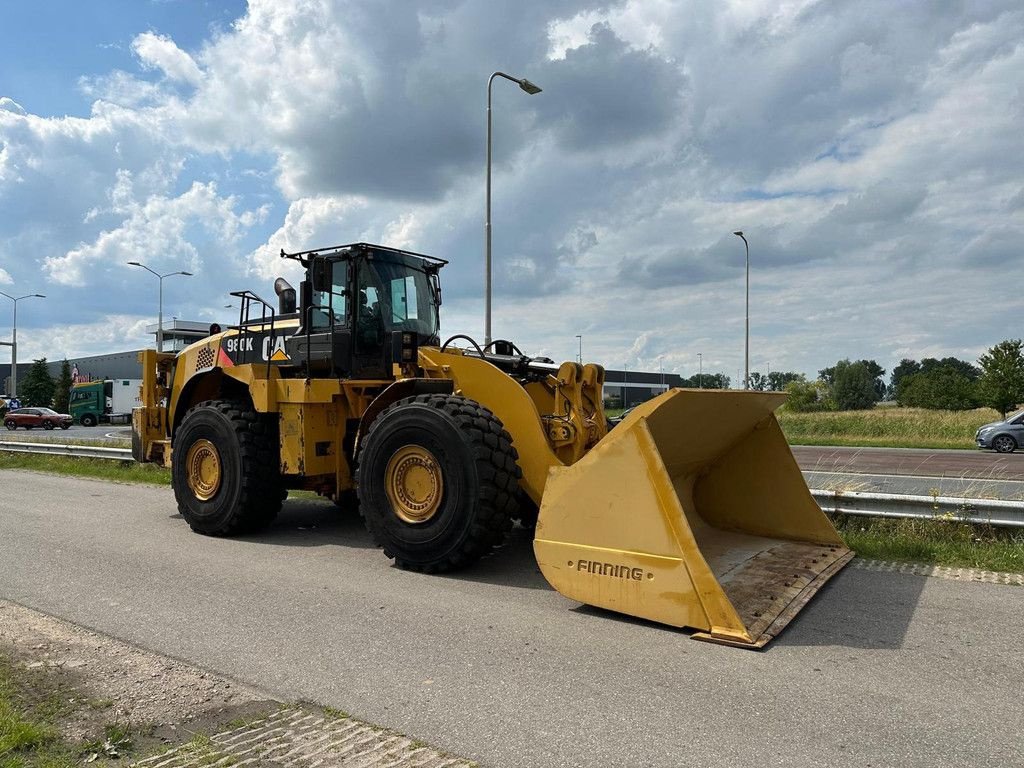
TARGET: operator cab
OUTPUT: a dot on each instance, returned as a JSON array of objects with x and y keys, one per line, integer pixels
[{"x": 364, "y": 307}]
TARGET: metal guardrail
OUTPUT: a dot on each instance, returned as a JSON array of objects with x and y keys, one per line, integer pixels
[
  {"x": 59, "y": 449},
  {"x": 990, "y": 511}
]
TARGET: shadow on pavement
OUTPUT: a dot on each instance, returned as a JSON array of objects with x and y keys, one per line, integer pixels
[
  {"x": 314, "y": 523},
  {"x": 857, "y": 609},
  {"x": 513, "y": 565},
  {"x": 320, "y": 523}
]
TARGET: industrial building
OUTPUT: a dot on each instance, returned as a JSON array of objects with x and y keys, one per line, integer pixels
[
  {"x": 626, "y": 387},
  {"x": 178, "y": 334}
]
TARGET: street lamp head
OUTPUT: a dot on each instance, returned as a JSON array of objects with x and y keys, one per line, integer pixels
[
  {"x": 39, "y": 295},
  {"x": 529, "y": 87},
  {"x": 738, "y": 233},
  {"x": 187, "y": 274},
  {"x": 134, "y": 264}
]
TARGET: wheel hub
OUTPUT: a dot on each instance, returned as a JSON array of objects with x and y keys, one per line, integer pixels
[
  {"x": 414, "y": 484},
  {"x": 202, "y": 467}
]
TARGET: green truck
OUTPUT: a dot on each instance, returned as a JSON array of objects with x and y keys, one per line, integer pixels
[{"x": 104, "y": 402}]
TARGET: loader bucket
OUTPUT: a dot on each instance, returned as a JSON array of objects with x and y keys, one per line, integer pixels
[{"x": 692, "y": 512}]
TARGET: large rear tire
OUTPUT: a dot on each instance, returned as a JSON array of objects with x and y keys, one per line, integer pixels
[
  {"x": 437, "y": 480},
  {"x": 226, "y": 473}
]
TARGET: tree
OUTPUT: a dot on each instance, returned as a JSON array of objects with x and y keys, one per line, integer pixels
[
  {"x": 877, "y": 374},
  {"x": 62, "y": 394},
  {"x": 941, "y": 388},
  {"x": 807, "y": 395},
  {"x": 715, "y": 381},
  {"x": 777, "y": 380},
  {"x": 962, "y": 367},
  {"x": 1001, "y": 385},
  {"x": 907, "y": 367},
  {"x": 37, "y": 387},
  {"x": 758, "y": 381},
  {"x": 874, "y": 371},
  {"x": 854, "y": 385},
  {"x": 774, "y": 381}
]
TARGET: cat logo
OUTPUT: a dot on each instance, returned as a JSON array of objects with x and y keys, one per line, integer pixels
[{"x": 278, "y": 355}]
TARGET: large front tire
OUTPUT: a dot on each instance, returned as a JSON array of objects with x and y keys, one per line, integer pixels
[
  {"x": 225, "y": 473},
  {"x": 437, "y": 479}
]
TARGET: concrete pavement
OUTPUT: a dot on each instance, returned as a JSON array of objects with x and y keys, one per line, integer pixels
[{"x": 880, "y": 669}]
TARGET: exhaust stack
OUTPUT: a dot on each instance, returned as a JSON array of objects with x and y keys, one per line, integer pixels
[{"x": 285, "y": 296}]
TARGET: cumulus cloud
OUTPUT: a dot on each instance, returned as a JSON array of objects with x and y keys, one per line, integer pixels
[
  {"x": 155, "y": 231},
  {"x": 159, "y": 52},
  {"x": 871, "y": 153}
]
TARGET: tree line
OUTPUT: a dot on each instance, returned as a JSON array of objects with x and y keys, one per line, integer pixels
[
  {"x": 996, "y": 381},
  {"x": 40, "y": 390}
]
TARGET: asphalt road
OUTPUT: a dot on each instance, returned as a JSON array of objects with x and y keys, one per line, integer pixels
[
  {"x": 912, "y": 461},
  {"x": 75, "y": 431},
  {"x": 960, "y": 474},
  {"x": 880, "y": 669}
]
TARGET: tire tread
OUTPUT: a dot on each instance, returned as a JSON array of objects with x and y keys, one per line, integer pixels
[
  {"x": 260, "y": 484},
  {"x": 497, "y": 469}
]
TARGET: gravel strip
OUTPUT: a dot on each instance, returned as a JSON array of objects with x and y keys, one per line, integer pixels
[{"x": 181, "y": 704}]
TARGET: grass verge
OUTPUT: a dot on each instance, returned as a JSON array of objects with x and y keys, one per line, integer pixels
[
  {"x": 32, "y": 703},
  {"x": 935, "y": 542},
  {"x": 102, "y": 469},
  {"x": 886, "y": 427}
]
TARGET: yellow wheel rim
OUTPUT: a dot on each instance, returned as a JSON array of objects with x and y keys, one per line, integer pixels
[
  {"x": 414, "y": 484},
  {"x": 202, "y": 466}
]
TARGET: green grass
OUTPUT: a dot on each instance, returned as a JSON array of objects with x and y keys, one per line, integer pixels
[
  {"x": 886, "y": 427},
  {"x": 34, "y": 702},
  {"x": 102, "y": 469},
  {"x": 29, "y": 706},
  {"x": 935, "y": 542}
]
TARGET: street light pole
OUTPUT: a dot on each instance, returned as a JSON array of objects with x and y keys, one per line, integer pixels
[
  {"x": 13, "y": 344},
  {"x": 531, "y": 89},
  {"x": 700, "y": 374},
  {"x": 746, "y": 357},
  {"x": 580, "y": 339},
  {"x": 160, "y": 316}
]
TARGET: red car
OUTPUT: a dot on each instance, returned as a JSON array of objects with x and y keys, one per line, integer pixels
[{"x": 29, "y": 418}]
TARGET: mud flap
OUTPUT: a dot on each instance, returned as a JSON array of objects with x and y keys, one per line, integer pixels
[{"x": 692, "y": 512}]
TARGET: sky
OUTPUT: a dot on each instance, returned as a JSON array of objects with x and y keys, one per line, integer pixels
[{"x": 871, "y": 151}]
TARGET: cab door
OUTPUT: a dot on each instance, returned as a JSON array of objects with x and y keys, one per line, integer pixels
[{"x": 323, "y": 341}]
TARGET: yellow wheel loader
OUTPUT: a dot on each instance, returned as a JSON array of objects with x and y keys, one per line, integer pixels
[{"x": 692, "y": 512}]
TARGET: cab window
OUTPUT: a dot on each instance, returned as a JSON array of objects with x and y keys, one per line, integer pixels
[
  {"x": 333, "y": 304},
  {"x": 403, "y": 299}
]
